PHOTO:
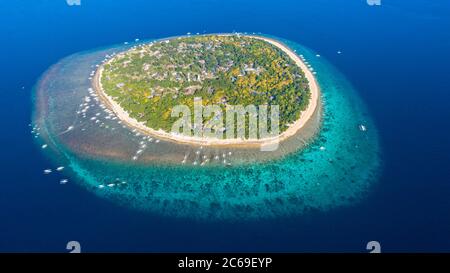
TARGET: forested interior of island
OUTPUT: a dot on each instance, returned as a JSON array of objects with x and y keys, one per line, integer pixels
[{"x": 149, "y": 80}]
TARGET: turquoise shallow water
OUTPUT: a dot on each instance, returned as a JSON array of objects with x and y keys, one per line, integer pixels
[{"x": 337, "y": 168}]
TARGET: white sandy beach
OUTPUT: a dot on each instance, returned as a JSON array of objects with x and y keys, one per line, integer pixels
[{"x": 292, "y": 130}]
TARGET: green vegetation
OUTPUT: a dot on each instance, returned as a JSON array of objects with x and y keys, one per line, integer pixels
[{"x": 148, "y": 80}]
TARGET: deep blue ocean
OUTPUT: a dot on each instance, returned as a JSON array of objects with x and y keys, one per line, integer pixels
[{"x": 396, "y": 55}]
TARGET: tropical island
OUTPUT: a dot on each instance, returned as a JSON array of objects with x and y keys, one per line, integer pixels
[
  {"x": 144, "y": 84},
  {"x": 104, "y": 152}
]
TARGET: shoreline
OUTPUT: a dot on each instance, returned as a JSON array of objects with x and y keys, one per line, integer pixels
[{"x": 293, "y": 129}]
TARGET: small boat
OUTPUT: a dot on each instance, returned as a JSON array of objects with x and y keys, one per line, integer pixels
[
  {"x": 362, "y": 128},
  {"x": 101, "y": 186},
  {"x": 44, "y": 146},
  {"x": 47, "y": 171},
  {"x": 111, "y": 185},
  {"x": 323, "y": 148},
  {"x": 60, "y": 168},
  {"x": 63, "y": 181}
]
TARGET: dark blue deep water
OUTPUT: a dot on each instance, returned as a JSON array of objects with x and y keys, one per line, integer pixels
[{"x": 396, "y": 55}]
